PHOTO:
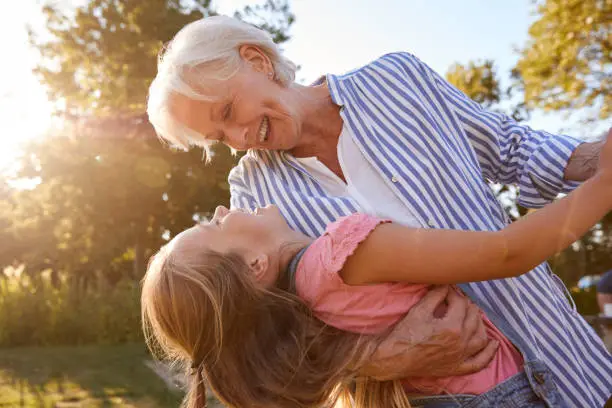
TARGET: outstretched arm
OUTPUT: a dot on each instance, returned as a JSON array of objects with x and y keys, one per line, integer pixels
[{"x": 394, "y": 253}]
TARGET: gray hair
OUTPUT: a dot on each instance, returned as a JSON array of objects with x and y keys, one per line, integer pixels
[{"x": 202, "y": 53}]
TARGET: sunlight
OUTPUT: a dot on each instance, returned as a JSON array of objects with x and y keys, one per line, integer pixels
[
  {"x": 24, "y": 116},
  {"x": 25, "y": 111}
]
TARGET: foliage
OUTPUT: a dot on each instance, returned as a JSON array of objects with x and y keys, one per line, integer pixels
[
  {"x": 103, "y": 204},
  {"x": 479, "y": 80},
  {"x": 586, "y": 301},
  {"x": 567, "y": 61},
  {"x": 109, "y": 192},
  {"x": 35, "y": 312},
  {"x": 101, "y": 57}
]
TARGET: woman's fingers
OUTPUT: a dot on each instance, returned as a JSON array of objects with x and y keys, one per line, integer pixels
[{"x": 478, "y": 361}]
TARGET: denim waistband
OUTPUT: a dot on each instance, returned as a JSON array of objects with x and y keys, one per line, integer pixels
[{"x": 532, "y": 388}]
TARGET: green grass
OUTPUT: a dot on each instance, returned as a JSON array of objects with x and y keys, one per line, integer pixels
[{"x": 87, "y": 376}]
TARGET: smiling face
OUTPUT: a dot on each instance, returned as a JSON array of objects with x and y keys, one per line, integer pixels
[
  {"x": 258, "y": 237},
  {"x": 251, "y": 110}
]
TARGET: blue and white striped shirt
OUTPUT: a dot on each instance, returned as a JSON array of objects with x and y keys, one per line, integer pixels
[{"x": 438, "y": 150}]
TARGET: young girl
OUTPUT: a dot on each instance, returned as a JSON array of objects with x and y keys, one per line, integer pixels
[{"x": 270, "y": 318}]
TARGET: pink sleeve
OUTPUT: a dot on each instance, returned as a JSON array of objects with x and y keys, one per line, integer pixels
[
  {"x": 356, "y": 308},
  {"x": 343, "y": 237}
]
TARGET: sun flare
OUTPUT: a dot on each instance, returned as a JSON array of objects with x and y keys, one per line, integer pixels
[{"x": 23, "y": 118}]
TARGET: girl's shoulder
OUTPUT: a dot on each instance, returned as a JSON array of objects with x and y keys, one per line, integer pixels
[{"x": 328, "y": 253}]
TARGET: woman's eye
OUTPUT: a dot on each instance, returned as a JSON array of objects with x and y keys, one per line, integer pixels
[{"x": 227, "y": 111}]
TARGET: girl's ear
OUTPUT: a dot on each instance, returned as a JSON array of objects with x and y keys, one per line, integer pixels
[{"x": 258, "y": 264}]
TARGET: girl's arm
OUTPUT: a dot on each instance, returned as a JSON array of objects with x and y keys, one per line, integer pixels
[{"x": 393, "y": 253}]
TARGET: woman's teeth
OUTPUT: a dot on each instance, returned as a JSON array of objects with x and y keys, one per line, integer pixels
[{"x": 263, "y": 129}]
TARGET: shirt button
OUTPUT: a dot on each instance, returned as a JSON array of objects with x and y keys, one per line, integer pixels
[
  {"x": 430, "y": 222},
  {"x": 394, "y": 179},
  {"x": 539, "y": 377}
]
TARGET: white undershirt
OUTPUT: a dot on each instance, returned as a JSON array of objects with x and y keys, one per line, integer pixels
[{"x": 363, "y": 184}]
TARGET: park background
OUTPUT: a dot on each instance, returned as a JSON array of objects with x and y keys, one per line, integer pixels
[{"x": 88, "y": 193}]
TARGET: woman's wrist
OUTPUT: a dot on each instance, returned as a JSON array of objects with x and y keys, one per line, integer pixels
[
  {"x": 372, "y": 360},
  {"x": 386, "y": 358}
]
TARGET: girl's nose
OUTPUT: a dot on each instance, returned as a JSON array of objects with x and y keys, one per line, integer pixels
[{"x": 220, "y": 212}]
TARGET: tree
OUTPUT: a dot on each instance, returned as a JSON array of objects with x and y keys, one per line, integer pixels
[
  {"x": 109, "y": 191},
  {"x": 102, "y": 56},
  {"x": 103, "y": 205},
  {"x": 478, "y": 80},
  {"x": 567, "y": 61}
]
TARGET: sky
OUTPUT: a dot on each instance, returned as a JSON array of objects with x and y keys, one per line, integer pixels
[{"x": 331, "y": 36}]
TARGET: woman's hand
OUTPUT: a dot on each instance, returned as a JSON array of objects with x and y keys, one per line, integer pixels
[
  {"x": 424, "y": 345},
  {"x": 604, "y": 169}
]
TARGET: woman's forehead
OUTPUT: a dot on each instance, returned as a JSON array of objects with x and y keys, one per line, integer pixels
[
  {"x": 181, "y": 104},
  {"x": 205, "y": 89},
  {"x": 196, "y": 114}
]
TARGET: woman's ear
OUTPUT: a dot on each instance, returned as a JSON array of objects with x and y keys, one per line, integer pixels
[
  {"x": 256, "y": 58},
  {"x": 258, "y": 264}
]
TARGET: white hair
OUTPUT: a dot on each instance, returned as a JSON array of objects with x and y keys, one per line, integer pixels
[{"x": 202, "y": 53}]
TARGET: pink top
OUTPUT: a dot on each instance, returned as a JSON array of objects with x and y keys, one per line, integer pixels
[{"x": 372, "y": 309}]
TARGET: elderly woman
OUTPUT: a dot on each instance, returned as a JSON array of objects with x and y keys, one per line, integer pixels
[{"x": 395, "y": 140}]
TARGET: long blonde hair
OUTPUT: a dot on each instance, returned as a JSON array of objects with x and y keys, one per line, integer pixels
[{"x": 255, "y": 347}]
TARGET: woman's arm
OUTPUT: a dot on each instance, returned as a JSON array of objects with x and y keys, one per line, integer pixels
[
  {"x": 508, "y": 152},
  {"x": 393, "y": 253}
]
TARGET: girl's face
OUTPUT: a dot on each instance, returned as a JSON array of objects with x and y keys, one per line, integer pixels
[{"x": 258, "y": 236}]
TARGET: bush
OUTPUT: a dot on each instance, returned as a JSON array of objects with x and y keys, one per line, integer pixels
[
  {"x": 35, "y": 312},
  {"x": 586, "y": 301}
]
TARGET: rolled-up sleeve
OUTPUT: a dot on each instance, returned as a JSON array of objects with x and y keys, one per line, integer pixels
[
  {"x": 545, "y": 168},
  {"x": 508, "y": 152}
]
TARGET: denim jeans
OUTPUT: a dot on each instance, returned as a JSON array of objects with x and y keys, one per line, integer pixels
[{"x": 532, "y": 388}]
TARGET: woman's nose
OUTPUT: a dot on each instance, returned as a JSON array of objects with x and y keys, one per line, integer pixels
[{"x": 237, "y": 137}]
